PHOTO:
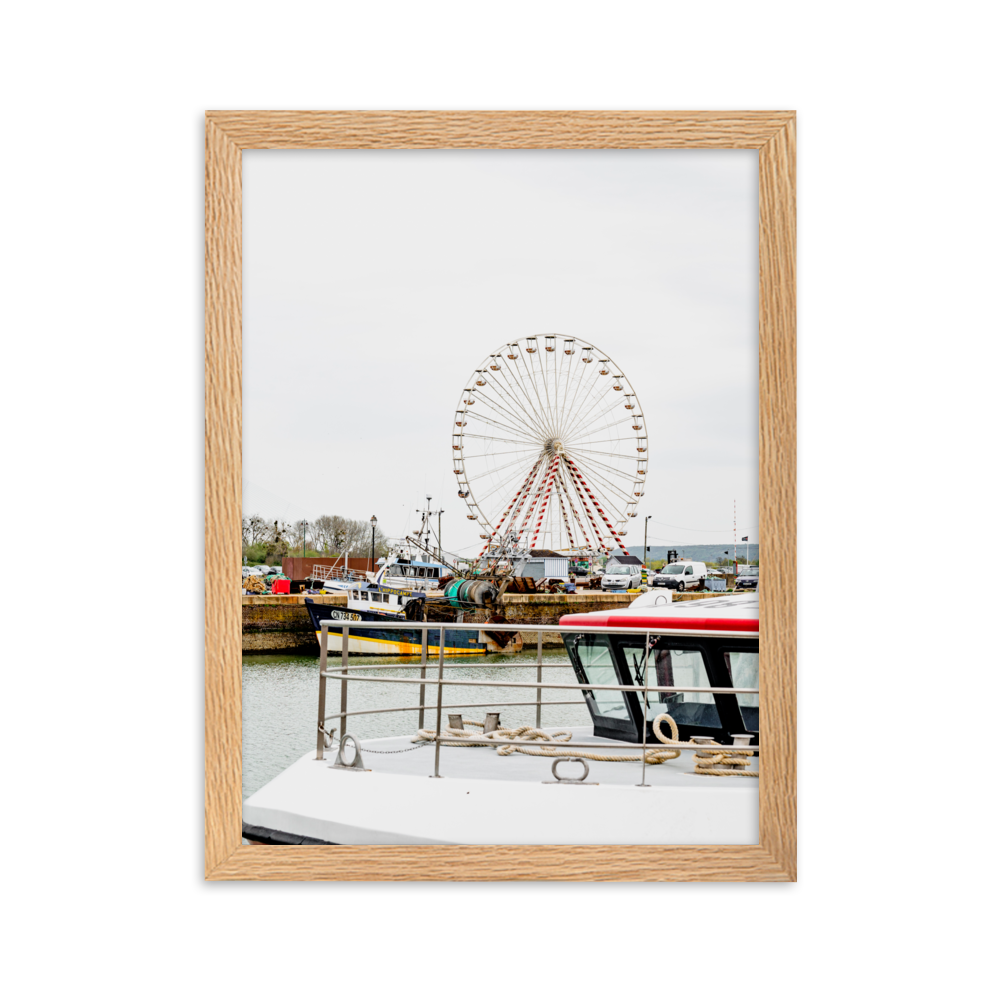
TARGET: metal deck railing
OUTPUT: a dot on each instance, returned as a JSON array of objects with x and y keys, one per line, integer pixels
[
  {"x": 323, "y": 574},
  {"x": 440, "y": 682}
]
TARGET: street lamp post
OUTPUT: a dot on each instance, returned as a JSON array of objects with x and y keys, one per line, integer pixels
[
  {"x": 374, "y": 522},
  {"x": 645, "y": 547}
]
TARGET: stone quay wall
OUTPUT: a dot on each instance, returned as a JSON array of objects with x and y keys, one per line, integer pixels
[
  {"x": 547, "y": 609},
  {"x": 280, "y": 623}
]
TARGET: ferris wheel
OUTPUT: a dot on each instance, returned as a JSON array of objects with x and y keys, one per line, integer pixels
[{"x": 549, "y": 447}]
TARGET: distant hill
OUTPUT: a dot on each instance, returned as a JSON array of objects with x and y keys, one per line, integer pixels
[{"x": 701, "y": 553}]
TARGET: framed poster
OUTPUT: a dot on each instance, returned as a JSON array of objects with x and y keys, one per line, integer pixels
[{"x": 771, "y": 135}]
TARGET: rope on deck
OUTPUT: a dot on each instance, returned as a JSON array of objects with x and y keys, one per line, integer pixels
[{"x": 706, "y": 761}]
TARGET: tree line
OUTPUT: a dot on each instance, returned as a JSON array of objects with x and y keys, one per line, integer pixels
[{"x": 268, "y": 541}]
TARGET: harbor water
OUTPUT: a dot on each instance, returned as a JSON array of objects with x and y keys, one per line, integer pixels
[{"x": 280, "y": 695}]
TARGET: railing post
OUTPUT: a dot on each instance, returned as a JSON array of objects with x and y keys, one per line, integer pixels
[
  {"x": 645, "y": 708},
  {"x": 437, "y": 728},
  {"x": 324, "y": 634},
  {"x": 423, "y": 674},
  {"x": 344, "y": 643},
  {"x": 538, "y": 690}
]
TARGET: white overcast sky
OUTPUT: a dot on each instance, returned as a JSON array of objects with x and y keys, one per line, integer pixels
[{"x": 375, "y": 282}]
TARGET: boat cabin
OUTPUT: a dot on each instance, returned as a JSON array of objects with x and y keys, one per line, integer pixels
[
  {"x": 711, "y": 643},
  {"x": 413, "y": 570},
  {"x": 378, "y": 599}
]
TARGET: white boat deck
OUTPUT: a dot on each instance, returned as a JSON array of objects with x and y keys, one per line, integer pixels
[{"x": 483, "y": 798}]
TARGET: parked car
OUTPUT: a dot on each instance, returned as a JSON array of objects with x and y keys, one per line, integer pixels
[
  {"x": 749, "y": 578},
  {"x": 684, "y": 575},
  {"x": 622, "y": 578}
]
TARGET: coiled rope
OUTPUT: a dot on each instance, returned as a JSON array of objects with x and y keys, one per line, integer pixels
[{"x": 706, "y": 761}]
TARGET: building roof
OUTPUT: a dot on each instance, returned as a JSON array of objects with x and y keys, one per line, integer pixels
[{"x": 626, "y": 560}]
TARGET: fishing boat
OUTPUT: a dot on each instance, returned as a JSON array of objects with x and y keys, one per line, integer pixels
[
  {"x": 372, "y": 605},
  {"x": 670, "y": 756}
]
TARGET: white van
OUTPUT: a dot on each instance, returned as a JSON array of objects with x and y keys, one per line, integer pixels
[{"x": 682, "y": 575}]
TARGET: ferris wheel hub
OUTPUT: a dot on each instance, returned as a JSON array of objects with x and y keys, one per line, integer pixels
[{"x": 554, "y": 447}]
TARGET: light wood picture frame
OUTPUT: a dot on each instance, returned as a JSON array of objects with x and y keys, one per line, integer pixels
[{"x": 227, "y": 134}]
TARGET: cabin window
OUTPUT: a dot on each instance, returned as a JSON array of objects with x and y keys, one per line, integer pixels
[
  {"x": 744, "y": 669},
  {"x": 672, "y": 667},
  {"x": 435, "y": 573},
  {"x": 598, "y": 663},
  {"x": 420, "y": 571}
]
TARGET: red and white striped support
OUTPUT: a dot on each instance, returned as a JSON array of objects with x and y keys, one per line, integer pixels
[
  {"x": 521, "y": 494},
  {"x": 562, "y": 509},
  {"x": 581, "y": 524},
  {"x": 597, "y": 506},
  {"x": 534, "y": 504},
  {"x": 553, "y": 469},
  {"x": 590, "y": 517}
]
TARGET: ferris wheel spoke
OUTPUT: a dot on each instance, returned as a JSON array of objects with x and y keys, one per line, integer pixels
[
  {"x": 500, "y": 468},
  {"x": 516, "y": 409},
  {"x": 495, "y": 454},
  {"x": 515, "y": 395},
  {"x": 492, "y": 422},
  {"x": 563, "y": 369},
  {"x": 557, "y": 367},
  {"x": 576, "y": 377},
  {"x": 594, "y": 417},
  {"x": 498, "y": 406},
  {"x": 517, "y": 390},
  {"x": 597, "y": 430},
  {"x": 564, "y": 381},
  {"x": 545, "y": 385},
  {"x": 532, "y": 378},
  {"x": 596, "y": 451},
  {"x": 524, "y": 427},
  {"x": 594, "y": 476},
  {"x": 545, "y": 419},
  {"x": 579, "y": 384},
  {"x": 488, "y": 437},
  {"x": 499, "y": 486},
  {"x": 597, "y": 463},
  {"x": 543, "y": 364}
]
